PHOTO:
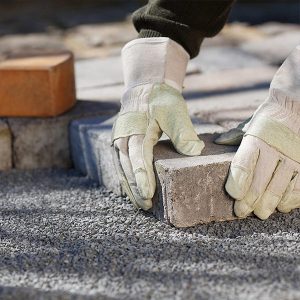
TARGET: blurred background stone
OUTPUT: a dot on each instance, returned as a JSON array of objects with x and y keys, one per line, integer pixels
[
  {"x": 5, "y": 146},
  {"x": 99, "y": 28}
]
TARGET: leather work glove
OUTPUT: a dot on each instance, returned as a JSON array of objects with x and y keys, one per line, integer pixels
[
  {"x": 154, "y": 70},
  {"x": 265, "y": 172}
]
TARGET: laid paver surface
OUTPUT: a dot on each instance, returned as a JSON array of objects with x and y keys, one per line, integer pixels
[{"x": 64, "y": 238}]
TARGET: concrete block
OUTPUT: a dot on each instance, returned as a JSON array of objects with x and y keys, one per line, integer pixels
[
  {"x": 92, "y": 151},
  {"x": 190, "y": 190},
  {"x": 103, "y": 151},
  {"x": 44, "y": 142},
  {"x": 82, "y": 144},
  {"x": 5, "y": 147},
  {"x": 37, "y": 86}
]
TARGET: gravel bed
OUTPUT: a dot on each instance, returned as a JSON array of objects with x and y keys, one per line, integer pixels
[{"x": 62, "y": 237}]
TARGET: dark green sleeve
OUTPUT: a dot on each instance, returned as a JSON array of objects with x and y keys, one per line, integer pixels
[{"x": 187, "y": 22}]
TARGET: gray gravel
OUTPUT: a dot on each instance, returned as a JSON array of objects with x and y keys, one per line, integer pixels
[{"x": 62, "y": 237}]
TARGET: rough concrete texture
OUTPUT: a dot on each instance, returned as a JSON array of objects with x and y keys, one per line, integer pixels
[
  {"x": 101, "y": 145},
  {"x": 44, "y": 142},
  {"x": 5, "y": 147},
  {"x": 82, "y": 156},
  {"x": 98, "y": 155},
  {"x": 190, "y": 190},
  {"x": 64, "y": 238}
]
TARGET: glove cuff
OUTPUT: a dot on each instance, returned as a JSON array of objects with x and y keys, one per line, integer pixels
[
  {"x": 154, "y": 60},
  {"x": 283, "y": 102},
  {"x": 287, "y": 79}
]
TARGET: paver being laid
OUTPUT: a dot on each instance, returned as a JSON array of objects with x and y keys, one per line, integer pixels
[
  {"x": 44, "y": 142},
  {"x": 5, "y": 147},
  {"x": 190, "y": 190}
]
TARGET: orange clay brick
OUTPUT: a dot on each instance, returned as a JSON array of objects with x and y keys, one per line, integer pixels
[{"x": 40, "y": 86}]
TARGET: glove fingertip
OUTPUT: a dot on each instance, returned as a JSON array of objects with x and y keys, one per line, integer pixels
[
  {"x": 236, "y": 185},
  {"x": 229, "y": 139},
  {"x": 191, "y": 148},
  {"x": 241, "y": 209},
  {"x": 263, "y": 214},
  {"x": 145, "y": 185}
]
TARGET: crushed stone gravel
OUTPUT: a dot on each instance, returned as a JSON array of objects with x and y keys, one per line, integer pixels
[{"x": 63, "y": 237}]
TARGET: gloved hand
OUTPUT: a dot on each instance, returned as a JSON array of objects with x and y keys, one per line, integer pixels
[
  {"x": 265, "y": 172},
  {"x": 154, "y": 70}
]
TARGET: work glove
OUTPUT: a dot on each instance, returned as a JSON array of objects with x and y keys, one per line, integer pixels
[
  {"x": 234, "y": 136},
  {"x": 154, "y": 70},
  {"x": 265, "y": 172}
]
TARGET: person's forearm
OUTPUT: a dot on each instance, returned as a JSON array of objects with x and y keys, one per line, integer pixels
[{"x": 187, "y": 22}]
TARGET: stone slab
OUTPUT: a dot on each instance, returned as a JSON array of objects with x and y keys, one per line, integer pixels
[
  {"x": 190, "y": 190},
  {"x": 101, "y": 140},
  {"x": 82, "y": 156},
  {"x": 5, "y": 147},
  {"x": 44, "y": 142}
]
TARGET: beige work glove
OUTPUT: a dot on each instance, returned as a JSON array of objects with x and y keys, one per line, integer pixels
[
  {"x": 154, "y": 70},
  {"x": 234, "y": 136},
  {"x": 264, "y": 174}
]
